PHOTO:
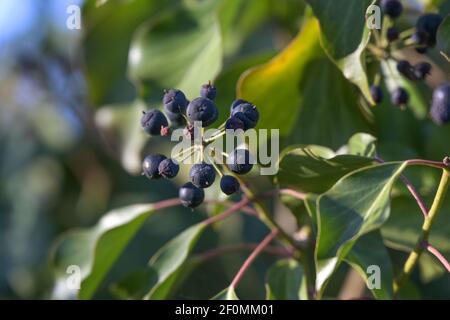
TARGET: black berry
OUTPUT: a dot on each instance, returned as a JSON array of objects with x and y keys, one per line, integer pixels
[
  {"x": 240, "y": 161},
  {"x": 400, "y": 97},
  {"x": 422, "y": 50},
  {"x": 420, "y": 37},
  {"x": 229, "y": 185},
  {"x": 234, "y": 123},
  {"x": 175, "y": 101},
  {"x": 392, "y": 8},
  {"x": 406, "y": 69},
  {"x": 152, "y": 121},
  {"x": 429, "y": 24},
  {"x": 236, "y": 103},
  {"x": 377, "y": 94},
  {"x": 208, "y": 91},
  {"x": 422, "y": 70},
  {"x": 176, "y": 119},
  {"x": 190, "y": 195},
  {"x": 168, "y": 168},
  {"x": 202, "y": 109},
  {"x": 392, "y": 34},
  {"x": 202, "y": 175},
  {"x": 247, "y": 113},
  {"x": 151, "y": 164},
  {"x": 440, "y": 109}
]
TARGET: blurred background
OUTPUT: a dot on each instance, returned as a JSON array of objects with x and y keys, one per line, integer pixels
[{"x": 71, "y": 143}]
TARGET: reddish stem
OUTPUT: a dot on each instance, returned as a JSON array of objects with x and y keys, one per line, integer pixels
[
  {"x": 415, "y": 195},
  {"x": 438, "y": 255},
  {"x": 260, "y": 247},
  {"x": 412, "y": 190},
  {"x": 429, "y": 163}
]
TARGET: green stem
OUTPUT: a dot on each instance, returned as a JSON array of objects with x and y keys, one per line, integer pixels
[{"x": 414, "y": 256}]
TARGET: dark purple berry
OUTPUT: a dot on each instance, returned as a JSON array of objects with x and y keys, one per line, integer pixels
[
  {"x": 377, "y": 94},
  {"x": 429, "y": 24},
  {"x": 152, "y": 121},
  {"x": 400, "y": 97},
  {"x": 229, "y": 185},
  {"x": 247, "y": 113},
  {"x": 151, "y": 164},
  {"x": 405, "y": 69},
  {"x": 168, "y": 168},
  {"x": 236, "y": 103},
  {"x": 190, "y": 195},
  {"x": 234, "y": 123},
  {"x": 440, "y": 108},
  {"x": 422, "y": 70},
  {"x": 175, "y": 101},
  {"x": 202, "y": 175},
  {"x": 420, "y": 37},
  {"x": 421, "y": 50},
  {"x": 176, "y": 119},
  {"x": 208, "y": 91},
  {"x": 392, "y": 34},
  {"x": 240, "y": 161},
  {"x": 202, "y": 109},
  {"x": 392, "y": 8}
]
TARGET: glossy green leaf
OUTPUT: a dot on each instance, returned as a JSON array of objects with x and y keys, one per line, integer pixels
[
  {"x": 357, "y": 204},
  {"x": 279, "y": 79},
  {"x": 286, "y": 94},
  {"x": 284, "y": 281},
  {"x": 182, "y": 50},
  {"x": 344, "y": 37},
  {"x": 366, "y": 256},
  {"x": 226, "y": 294},
  {"x": 443, "y": 38},
  {"x": 315, "y": 169},
  {"x": 169, "y": 260},
  {"x": 96, "y": 249},
  {"x": 362, "y": 144}
]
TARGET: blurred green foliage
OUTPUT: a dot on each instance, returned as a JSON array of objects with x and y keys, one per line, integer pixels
[{"x": 71, "y": 143}]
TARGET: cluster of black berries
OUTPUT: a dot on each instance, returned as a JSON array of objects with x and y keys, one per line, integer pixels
[
  {"x": 423, "y": 38},
  {"x": 181, "y": 112}
]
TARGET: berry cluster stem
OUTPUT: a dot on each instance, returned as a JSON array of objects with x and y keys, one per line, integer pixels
[
  {"x": 261, "y": 246},
  {"x": 414, "y": 256}
]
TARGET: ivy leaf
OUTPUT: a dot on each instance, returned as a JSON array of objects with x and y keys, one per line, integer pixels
[
  {"x": 285, "y": 281},
  {"x": 362, "y": 144},
  {"x": 443, "y": 38},
  {"x": 344, "y": 39},
  {"x": 370, "y": 258},
  {"x": 357, "y": 204},
  {"x": 286, "y": 94},
  {"x": 226, "y": 294},
  {"x": 96, "y": 249},
  {"x": 169, "y": 260},
  {"x": 182, "y": 50},
  {"x": 315, "y": 169}
]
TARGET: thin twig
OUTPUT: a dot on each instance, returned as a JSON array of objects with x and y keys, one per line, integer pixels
[
  {"x": 260, "y": 247},
  {"x": 412, "y": 190},
  {"x": 435, "y": 252}
]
